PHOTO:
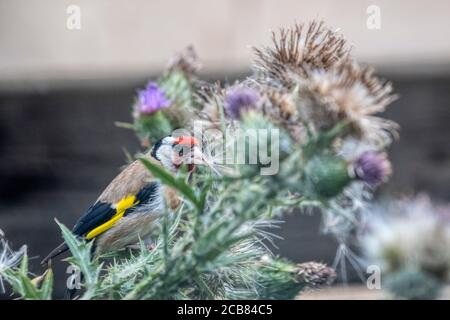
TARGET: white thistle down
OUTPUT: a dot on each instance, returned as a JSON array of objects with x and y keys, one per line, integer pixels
[
  {"x": 8, "y": 257},
  {"x": 411, "y": 232}
]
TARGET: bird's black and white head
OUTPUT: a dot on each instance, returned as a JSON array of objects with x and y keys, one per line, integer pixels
[{"x": 173, "y": 152}]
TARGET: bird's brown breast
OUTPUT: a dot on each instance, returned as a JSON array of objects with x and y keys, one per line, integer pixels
[{"x": 172, "y": 198}]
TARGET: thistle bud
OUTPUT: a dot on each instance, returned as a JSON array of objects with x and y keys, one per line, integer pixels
[
  {"x": 372, "y": 168},
  {"x": 150, "y": 128},
  {"x": 240, "y": 100},
  {"x": 326, "y": 175},
  {"x": 315, "y": 274}
]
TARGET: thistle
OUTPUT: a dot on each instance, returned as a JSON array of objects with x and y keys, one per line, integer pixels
[
  {"x": 281, "y": 279},
  {"x": 349, "y": 92},
  {"x": 8, "y": 258},
  {"x": 151, "y": 99},
  {"x": 326, "y": 176},
  {"x": 185, "y": 61},
  {"x": 298, "y": 49},
  {"x": 150, "y": 122},
  {"x": 372, "y": 168},
  {"x": 240, "y": 100},
  {"x": 315, "y": 274},
  {"x": 409, "y": 240}
]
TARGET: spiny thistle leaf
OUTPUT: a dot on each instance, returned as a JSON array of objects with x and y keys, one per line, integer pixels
[
  {"x": 171, "y": 181},
  {"x": 81, "y": 257},
  {"x": 47, "y": 285},
  {"x": 39, "y": 288}
]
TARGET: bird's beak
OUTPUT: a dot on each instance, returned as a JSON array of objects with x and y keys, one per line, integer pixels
[{"x": 197, "y": 156}]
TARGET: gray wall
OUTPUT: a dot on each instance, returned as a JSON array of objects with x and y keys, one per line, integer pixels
[{"x": 123, "y": 38}]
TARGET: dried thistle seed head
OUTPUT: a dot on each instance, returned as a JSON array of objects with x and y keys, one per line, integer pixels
[
  {"x": 315, "y": 274},
  {"x": 329, "y": 87},
  {"x": 278, "y": 104},
  {"x": 211, "y": 99},
  {"x": 186, "y": 61},
  {"x": 298, "y": 49},
  {"x": 349, "y": 92}
]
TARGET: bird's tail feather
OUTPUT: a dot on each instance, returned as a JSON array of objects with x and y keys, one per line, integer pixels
[{"x": 56, "y": 252}]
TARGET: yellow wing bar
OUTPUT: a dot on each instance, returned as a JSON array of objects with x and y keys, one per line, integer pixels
[{"x": 121, "y": 207}]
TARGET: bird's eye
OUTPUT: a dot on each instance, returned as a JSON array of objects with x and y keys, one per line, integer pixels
[{"x": 180, "y": 153}]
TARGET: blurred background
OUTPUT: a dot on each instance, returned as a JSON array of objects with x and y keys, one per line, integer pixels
[{"x": 62, "y": 89}]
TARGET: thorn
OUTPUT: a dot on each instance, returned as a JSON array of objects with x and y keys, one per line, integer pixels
[{"x": 37, "y": 281}]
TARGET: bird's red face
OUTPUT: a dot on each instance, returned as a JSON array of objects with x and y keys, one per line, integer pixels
[
  {"x": 173, "y": 152},
  {"x": 186, "y": 152}
]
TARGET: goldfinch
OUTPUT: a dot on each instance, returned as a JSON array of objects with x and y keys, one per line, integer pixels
[{"x": 128, "y": 208}]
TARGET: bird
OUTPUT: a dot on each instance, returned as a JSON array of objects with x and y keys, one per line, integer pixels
[{"x": 128, "y": 208}]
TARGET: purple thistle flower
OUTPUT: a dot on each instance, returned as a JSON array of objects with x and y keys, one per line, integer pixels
[
  {"x": 372, "y": 167},
  {"x": 152, "y": 99},
  {"x": 239, "y": 100}
]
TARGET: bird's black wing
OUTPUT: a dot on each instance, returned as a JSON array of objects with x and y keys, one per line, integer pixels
[
  {"x": 145, "y": 195},
  {"x": 102, "y": 212},
  {"x": 96, "y": 215}
]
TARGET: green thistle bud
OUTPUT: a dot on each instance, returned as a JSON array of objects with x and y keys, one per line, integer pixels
[
  {"x": 256, "y": 120},
  {"x": 326, "y": 175},
  {"x": 281, "y": 279},
  {"x": 178, "y": 89},
  {"x": 265, "y": 144},
  {"x": 152, "y": 127}
]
